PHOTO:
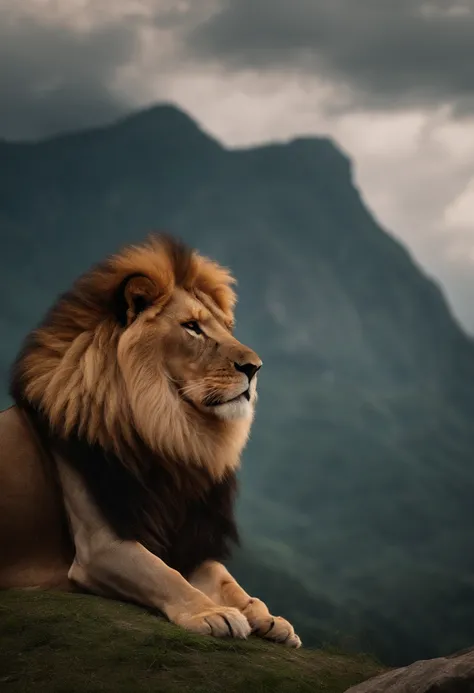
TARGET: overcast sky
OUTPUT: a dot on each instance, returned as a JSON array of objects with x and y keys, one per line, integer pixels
[{"x": 392, "y": 81}]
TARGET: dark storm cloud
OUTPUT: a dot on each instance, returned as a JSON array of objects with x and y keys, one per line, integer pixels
[
  {"x": 387, "y": 52},
  {"x": 53, "y": 79},
  {"x": 55, "y": 76}
]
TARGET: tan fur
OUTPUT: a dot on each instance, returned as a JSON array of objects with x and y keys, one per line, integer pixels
[
  {"x": 215, "y": 581},
  {"x": 35, "y": 550},
  {"x": 180, "y": 391}
]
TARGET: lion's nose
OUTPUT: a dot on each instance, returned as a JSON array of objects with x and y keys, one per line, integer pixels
[{"x": 248, "y": 368}]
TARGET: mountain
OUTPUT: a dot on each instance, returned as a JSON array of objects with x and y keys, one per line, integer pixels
[{"x": 357, "y": 485}]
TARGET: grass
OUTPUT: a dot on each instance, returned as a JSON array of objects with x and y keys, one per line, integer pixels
[{"x": 74, "y": 643}]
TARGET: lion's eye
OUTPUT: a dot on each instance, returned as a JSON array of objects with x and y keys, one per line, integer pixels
[{"x": 192, "y": 326}]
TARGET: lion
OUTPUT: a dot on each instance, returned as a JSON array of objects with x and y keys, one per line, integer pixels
[{"x": 133, "y": 402}]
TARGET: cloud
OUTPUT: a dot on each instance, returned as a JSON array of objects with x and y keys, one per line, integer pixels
[
  {"x": 382, "y": 53},
  {"x": 62, "y": 64},
  {"x": 74, "y": 64},
  {"x": 57, "y": 78}
]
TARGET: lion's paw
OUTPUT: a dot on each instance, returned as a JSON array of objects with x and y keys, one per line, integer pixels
[
  {"x": 279, "y": 630},
  {"x": 270, "y": 627},
  {"x": 219, "y": 621}
]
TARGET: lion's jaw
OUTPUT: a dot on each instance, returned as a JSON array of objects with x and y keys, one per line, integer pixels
[{"x": 238, "y": 407}]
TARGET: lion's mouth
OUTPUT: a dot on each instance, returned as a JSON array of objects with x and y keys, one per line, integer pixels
[{"x": 214, "y": 401}]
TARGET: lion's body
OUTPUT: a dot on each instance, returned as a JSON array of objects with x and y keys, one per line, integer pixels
[
  {"x": 118, "y": 463},
  {"x": 35, "y": 547}
]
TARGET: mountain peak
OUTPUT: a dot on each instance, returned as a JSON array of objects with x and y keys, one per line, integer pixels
[
  {"x": 162, "y": 120},
  {"x": 311, "y": 144},
  {"x": 160, "y": 124}
]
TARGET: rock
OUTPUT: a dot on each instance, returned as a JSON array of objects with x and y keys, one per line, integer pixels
[{"x": 453, "y": 674}]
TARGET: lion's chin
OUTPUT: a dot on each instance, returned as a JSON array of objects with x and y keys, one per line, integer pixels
[{"x": 239, "y": 408}]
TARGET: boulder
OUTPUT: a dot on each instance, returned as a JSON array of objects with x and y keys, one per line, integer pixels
[{"x": 453, "y": 674}]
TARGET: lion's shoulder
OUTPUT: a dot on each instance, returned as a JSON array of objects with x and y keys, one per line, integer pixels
[
  {"x": 35, "y": 546},
  {"x": 16, "y": 436},
  {"x": 21, "y": 447}
]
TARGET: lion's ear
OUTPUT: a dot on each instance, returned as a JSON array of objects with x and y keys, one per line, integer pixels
[{"x": 136, "y": 293}]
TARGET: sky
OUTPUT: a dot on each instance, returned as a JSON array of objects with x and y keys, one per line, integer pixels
[{"x": 391, "y": 81}]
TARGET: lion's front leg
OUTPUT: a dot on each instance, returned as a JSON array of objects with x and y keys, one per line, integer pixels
[
  {"x": 214, "y": 580},
  {"x": 109, "y": 567}
]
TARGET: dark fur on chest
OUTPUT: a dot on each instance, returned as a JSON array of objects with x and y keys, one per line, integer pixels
[{"x": 176, "y": 510}]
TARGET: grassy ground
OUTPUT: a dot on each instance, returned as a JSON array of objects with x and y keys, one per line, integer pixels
[{"x": 72, "y": 643}]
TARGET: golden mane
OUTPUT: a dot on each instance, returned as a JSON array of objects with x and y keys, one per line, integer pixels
[{"x": 67, "y": 369}]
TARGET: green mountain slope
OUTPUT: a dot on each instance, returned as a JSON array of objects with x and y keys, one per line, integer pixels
[{"x": 358, "y": 481}]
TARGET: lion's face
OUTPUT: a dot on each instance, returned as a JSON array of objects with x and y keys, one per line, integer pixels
[{"x": 189, "y": 343}]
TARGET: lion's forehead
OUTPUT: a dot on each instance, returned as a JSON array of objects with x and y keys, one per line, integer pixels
[{"x": 196, "y": 305}]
